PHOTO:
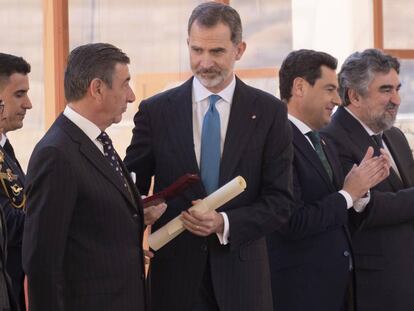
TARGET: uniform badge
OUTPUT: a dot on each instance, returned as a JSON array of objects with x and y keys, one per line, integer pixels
[{"x": 11, "y": 185}]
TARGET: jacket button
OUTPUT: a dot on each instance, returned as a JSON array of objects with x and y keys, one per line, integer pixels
[
  {"x": 346, "y": 253},
  {"x": 204, "y": 248},
  {"x": 135, "y": 216}
]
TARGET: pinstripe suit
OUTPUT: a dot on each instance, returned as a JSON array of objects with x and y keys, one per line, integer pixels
[
  {"x": 258, "y": 147},
  {"x": 83, "y": 231}
]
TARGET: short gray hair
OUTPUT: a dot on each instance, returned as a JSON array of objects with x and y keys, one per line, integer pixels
[
  {"x": 359, "y": 70},
  {"x": 209, "y": 14}
]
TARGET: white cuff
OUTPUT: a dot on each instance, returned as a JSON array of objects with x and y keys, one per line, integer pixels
[
  {"x": 360, "y": 204},
  {"x": 224, "y": 237},
  {"x": 347, "y": 197}
]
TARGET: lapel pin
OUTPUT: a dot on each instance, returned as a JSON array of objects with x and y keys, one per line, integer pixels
[{"x": 253, "y": 117}]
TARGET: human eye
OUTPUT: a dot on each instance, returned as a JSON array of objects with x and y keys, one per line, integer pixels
[
  {"x": 217, "y": 51},
  {"x": 196, "y": 49},
  {"x": 20, "y": 94}
]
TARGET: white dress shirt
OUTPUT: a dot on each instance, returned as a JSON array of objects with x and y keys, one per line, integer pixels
[
  {"x": 200, "y": 107},
  {"x": 370, "y": 133},
  {"x": 304, "y": 129},
  {"x": 89, "y": 128},
  {"x": 3, "y": 139}
]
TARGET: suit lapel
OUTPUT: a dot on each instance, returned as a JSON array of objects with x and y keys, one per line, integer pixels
[
  {"x": 95, "y": 157},
  {"x": 394, "y": 178},
  {"x": 178, "y": 117},
  {"x": 335, "y": 165},
  {"x": 136, "y": 197},
  {"x": 243, "y": 120},
  {"x": 303, "y": 146},
  {"x": 362, "y": 140}
]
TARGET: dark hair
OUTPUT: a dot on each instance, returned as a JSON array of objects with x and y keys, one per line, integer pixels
[
  {"x": 209, "y": 14},
  {"x": 10, "y": 64},
  {"x": 305, "y": 64},
  {"x": 359, "y": 70},
  {"x": 88, "y": 62}
]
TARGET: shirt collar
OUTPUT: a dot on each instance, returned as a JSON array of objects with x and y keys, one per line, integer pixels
[
  {"x": 369, "y": 131},
  {"x": 303, "y": 128},
  {"x": 89, "y": 128},
  {"x": 3, "y": 139},
  {"x": 201, "y": 93}
]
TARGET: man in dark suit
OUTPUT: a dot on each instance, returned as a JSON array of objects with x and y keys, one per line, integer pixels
[
  {"x": 384, "y": 237},
  {"x": 82, "y": 242},
  {"x": 7, "y": 299},
  {"x": 14, "y": 86},
  {"x": 310, "y": 258},
  {"x": 216, "y": 126}
]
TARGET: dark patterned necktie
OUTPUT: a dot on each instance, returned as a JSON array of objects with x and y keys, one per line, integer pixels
[
  {"x": 378, "y": 140},
  {"x": 316, "y": 141},
  {"x": 111, "y": 155}
]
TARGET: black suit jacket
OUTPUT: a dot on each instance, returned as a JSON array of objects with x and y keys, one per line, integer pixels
[
  {"x": 310, "y": 257},
  {"x": 12, "y": 199},
  {"x": 82, "y": 241},
  {"x": 383, "y": 236},
  {"x": 7, "y": 301},
  {"x": 257, "y": 147}
]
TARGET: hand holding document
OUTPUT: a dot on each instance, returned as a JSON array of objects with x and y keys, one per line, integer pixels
[{"x": 215, "y": 200}]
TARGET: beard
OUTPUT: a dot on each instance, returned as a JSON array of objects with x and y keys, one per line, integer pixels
[
  {"x": 379, "y": 122},
  {"x": 210, "y": 78}
]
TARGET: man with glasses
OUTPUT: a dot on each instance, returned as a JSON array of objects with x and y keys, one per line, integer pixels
[{"x": 14, "y": 86}]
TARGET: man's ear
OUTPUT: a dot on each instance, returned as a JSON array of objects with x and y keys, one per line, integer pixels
[
  {"x": 95, "y": 88},
  {"x": 299, "y": 86},
  {"x": 354, "y": 97},
  {"x": 240, "y": 48}
]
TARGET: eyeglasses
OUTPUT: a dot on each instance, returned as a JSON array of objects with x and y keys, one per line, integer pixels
[{"x": 1, "y": 106}]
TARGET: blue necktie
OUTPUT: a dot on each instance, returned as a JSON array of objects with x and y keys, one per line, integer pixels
[{"x": 210, "y": 147}]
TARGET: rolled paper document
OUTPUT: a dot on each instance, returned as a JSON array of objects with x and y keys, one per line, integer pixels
[{"x": 218, "y": 198}]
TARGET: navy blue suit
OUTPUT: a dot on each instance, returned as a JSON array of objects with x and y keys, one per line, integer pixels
[
  {"x": 310, "y": 256},
  {"x": 257, "y": 147},
  {"x": 7, "y": 301},
  {"x": 13, "y": 200},
  {"x": 383, "y": 235}
]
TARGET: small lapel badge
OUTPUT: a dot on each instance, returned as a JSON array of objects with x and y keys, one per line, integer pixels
[
  {"x": 253, "y": 117},
  {"x": 16, "y": 189}
]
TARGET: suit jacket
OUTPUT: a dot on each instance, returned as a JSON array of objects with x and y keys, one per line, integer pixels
[
  {"x": 82, "y": 241},
  {"x": 257, "y": 147},
  {"x": 13, "y": 200},
  {"x": 310, "y": 256},
  {"x": 383, "y": 237},
  {"x": 7, "y": 301}
]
